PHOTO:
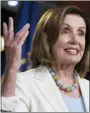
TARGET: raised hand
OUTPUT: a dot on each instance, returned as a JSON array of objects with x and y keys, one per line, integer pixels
[{"x": 13, "y": 44}]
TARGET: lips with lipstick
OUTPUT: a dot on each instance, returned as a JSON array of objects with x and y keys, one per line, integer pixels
[{"x": 72, "y": 51}]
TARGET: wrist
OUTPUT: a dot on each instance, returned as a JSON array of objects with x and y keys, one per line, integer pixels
[{"x": 10, "y": 71}]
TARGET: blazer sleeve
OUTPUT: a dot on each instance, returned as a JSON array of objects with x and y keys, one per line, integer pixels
[{"x": 20, "y": 102}]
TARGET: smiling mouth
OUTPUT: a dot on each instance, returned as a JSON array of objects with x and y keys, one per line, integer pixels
[{"x": 72, "y": 51}]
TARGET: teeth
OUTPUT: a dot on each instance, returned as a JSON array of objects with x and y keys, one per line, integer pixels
[{"x": 71, "y": 50}]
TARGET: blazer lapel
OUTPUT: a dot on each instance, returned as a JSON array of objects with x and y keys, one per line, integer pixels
[
  {"x": 84, "y": 86},
  {"x": 49, "y": 89}
]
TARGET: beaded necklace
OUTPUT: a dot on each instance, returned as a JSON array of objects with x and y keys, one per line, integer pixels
[{"x": 67, "y": 88}]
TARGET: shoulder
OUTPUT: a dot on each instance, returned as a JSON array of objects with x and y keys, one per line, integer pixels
[
  {"x": 31, "y": 73},
  {"x": 26, "y": 76},
  {"x": 84, "y": 81},
  {"x": 26, "y": 80}
]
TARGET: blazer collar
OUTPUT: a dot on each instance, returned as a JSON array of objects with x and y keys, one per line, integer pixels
[{"x": 50, "y": 91}]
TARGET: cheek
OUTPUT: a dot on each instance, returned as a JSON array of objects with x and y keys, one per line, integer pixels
[
  {"x": 83, "y": 45},
  {"x": 62, "y": 41},
  {"x": 58, "y": 49},
  {"x": 59, "y": 45}
]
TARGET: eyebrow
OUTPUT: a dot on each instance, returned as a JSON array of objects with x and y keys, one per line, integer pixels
[{"x": 70, "y": 26}]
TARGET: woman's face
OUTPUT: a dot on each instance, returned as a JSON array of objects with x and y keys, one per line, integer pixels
[{"x": 70, "y": 46}]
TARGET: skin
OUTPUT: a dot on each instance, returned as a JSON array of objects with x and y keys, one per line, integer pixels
[
  {"x": 72, "y": 34},
  {"x": 13, "y": 48}
]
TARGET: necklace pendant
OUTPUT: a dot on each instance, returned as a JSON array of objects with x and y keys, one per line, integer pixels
[{"x": 68, "y": 89}]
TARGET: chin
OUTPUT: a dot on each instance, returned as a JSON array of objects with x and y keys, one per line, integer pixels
[{"x": 73, "y": 61}]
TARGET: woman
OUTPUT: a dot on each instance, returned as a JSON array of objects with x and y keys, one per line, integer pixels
[{"x": 60, "y": 60}]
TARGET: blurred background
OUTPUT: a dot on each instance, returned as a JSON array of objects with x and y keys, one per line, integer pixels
[{"x": 30, "y": 12}]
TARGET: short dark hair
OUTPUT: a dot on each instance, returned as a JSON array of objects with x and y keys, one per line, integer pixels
[{"x": 46, "y": 35}]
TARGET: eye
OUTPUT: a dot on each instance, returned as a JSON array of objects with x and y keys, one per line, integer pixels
[
  {"x": 64, "y": 31},
  {"x": 81, "y": 33}
]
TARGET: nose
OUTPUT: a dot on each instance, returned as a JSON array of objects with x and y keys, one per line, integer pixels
[{"x": 74, "y": 38}]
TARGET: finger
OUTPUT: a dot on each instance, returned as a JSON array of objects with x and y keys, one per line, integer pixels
[
  {"x": 11, "y": 28},
  {"x": 22, "y": 40},
  {"x": 5, "y": 31},
  {"x": 10, "y": 24},
  {"x": 22, "y": 32}
]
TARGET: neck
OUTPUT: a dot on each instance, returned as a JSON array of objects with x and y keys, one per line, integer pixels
[{"x": 64, "y": 72}]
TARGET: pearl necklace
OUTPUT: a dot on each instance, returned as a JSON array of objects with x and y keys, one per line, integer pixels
[{"x": 67, "y": 88}]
